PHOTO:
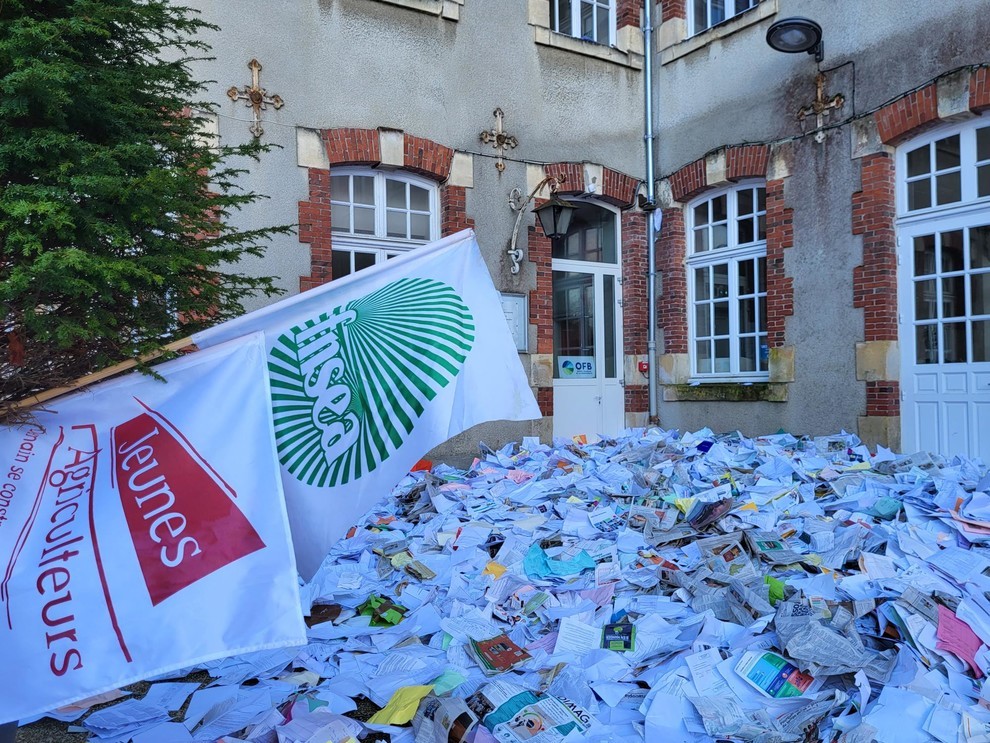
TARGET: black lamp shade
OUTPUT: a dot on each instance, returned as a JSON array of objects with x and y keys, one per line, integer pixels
[
  {"x": 555, "y": 216},
  {"x": 795, "y": 35}
]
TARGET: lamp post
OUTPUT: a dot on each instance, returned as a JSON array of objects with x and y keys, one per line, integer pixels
[{"x": 555, "y": 215}]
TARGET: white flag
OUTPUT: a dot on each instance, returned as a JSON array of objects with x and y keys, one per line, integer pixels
[
  {"x": 370, "y": 372},
  {"x": 143, "y": 529}
]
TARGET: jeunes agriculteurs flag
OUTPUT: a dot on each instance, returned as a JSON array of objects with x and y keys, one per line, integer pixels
[
  {"x": 142, "y": 529},
  {"x": 370, "y": 372}
]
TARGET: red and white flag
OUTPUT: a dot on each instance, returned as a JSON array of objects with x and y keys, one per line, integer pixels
[{"x": 143, "y": 529}]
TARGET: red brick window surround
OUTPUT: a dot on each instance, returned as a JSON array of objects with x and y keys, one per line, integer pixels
[
  {"x": 354, "y": 155},
  {"x": 689, "y": 185}
]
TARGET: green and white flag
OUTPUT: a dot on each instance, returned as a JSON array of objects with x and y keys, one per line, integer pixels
[{"x": 370, "y": 372}]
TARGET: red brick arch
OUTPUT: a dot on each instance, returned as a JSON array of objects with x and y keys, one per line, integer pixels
[{"x": 353, "y": 146}]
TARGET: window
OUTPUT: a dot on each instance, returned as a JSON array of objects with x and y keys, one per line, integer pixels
[
  {"x": 727, "y": 284},
  {"x": 591, "y": 20},
  {"x": 948, "y": 169},
  {"x": 708, "y": 13},
  {"x": 376, "y": 215}
]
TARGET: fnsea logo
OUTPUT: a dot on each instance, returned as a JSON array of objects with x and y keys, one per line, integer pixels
[
  {"x": 182, "y": 516},
  {"x": 349, "y": 385}
]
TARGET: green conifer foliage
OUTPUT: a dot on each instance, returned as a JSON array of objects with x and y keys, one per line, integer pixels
[{"x": 114, "y": 209}]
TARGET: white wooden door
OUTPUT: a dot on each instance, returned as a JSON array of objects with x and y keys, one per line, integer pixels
[
  {"x": 588, "y": 393},
  {"x": 944, "y": 313}
]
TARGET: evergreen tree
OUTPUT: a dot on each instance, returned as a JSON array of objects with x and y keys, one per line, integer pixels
[{"x": 114, "y": 209}]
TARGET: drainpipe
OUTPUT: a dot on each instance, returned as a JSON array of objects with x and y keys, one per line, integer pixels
[{"x": 650, "y": 206}]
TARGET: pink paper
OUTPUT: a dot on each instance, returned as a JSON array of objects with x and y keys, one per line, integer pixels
[{"x": 955, "y": 636}]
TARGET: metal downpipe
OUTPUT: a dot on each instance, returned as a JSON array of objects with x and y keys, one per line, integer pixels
[{"x": 651, "y": 236}]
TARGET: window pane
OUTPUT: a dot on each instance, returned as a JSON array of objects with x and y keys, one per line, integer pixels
[
  {"x": 926, "y": 344},
  {"x": 747, "y": 277},
  {"x": 340, "y": 218},
  {"x": 981, "y": 340},
  {"x": 722, "y": 362},
  {"x": 747, "y": 354},
  {"x": 744, "y": 200},
  {"x": 602, "y": 36},
  {"x": 983, "y": 181},
  {"x": 925, "y": 300},
  {"x": 720, "y": 236},
  {"x": 701, "y": 214},
  {"x": 979, "y": 247},
  {"x": 562, "y": 20},
  {"x": 419, "y": 226},
  {"x": 948, "y": 188},
  {"x": 703, "y": 357},
  {"x": 419, "y": 198},
  {"x": 718, "y": 11},
  {"x": 762, "y": 227},
  {"x": 763, "y": 320},
  {"x": 340, "y": 187},
  {"x": 588, "y": 21},
  {"x": 747, "y": 316},
  {"x": 954, "y": 297},
  {"x": 395, "y": 194},
  {"x": 702, "y": 320},
  {"x": 954, "y": 337},
  {"x": 952, "y": 251},
  {"x": 702, "y": 289},
  {"x": 761, "y": 199},
  {"x": 340, "y": 263},
  {"x": 364, "y": 189},
  {"x": 721, "y": 280},
  {"x": 608, "y": 300},
  {"x": 924, "y": 255},
  {"x": 980, "y": 293},
  {"x": 701, "y": 240},
  {"x": 719, "y": 213},
  {"x": 364, "y": 220},
  {"x": 761, "y": 274},
  {"x": 918, "y": 162},
  {"x": 395, "y": 224},
  {"x": 700, "y": 15},
  {"x": 721, "y": 318},
  {"x": 983, "y": 143},
  {"x": 919, "y": 194},
  {"x": 947, "y": 153},
  {"x": 363, "y": 260},
  {"x": 746, "y": 231}
]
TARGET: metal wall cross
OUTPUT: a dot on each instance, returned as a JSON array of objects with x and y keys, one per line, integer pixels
[
  {"x": 256, "y": 97},
  {"x": 499, "y": 139},
  {"x": 821, "y": 107}
]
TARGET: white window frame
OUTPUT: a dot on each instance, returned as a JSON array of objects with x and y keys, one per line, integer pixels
[
  {"x": 380, "y": 244},
  {"x": 733, "y": 254},
  {"x": 575, "y": 29},
  {"x": 969, "y": 200},
  {"x": 732, "y": 9}
]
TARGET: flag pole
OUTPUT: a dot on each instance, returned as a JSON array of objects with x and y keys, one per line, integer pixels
[{"x": 98, "y": 376}]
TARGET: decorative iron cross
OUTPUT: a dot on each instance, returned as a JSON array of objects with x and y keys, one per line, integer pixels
[
  {"x": 499, "y": 139},
  {"x": 256, "y": 96},
  {"x": 821, "y": 108}
]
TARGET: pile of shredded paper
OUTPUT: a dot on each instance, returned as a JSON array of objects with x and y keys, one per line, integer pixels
[{"x": 653, "y": 587}]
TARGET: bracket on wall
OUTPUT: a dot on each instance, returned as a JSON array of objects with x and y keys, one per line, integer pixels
[
  {"x": 256, "y": 97},
  {"x": 499, "y": 139},
  {"x": 518, "y": 205}
]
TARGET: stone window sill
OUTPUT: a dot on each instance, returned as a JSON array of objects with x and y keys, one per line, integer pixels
[
  {"x": 546, "y": 37},
  {"x": 448, "y": 9},
  {"x": 674, "y": 42},
  {"x": 726, "y": 392}
]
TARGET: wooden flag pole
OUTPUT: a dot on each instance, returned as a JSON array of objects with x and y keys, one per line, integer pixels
[{"x": 99, "y": 376}]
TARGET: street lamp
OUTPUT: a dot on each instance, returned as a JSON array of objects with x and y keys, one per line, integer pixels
[
  {"x": 555, "y": 215},
  {"x": 796, "y": 35}
]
